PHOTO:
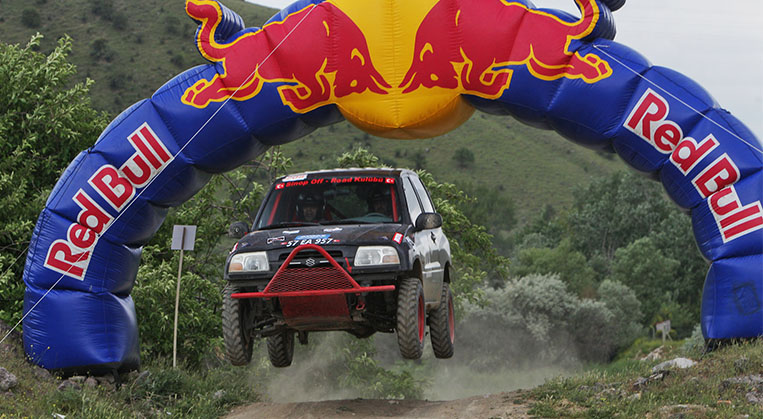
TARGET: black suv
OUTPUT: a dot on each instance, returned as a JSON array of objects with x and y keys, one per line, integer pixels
[{"x": 359, "y": 250}]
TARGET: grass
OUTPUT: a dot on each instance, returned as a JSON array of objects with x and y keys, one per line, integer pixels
[
  {"x": 699, "y": 391},
  {"x": 163, "y": 391},
  {"x": 600, "y": 391},
  {"x": 154, "y": 44}
]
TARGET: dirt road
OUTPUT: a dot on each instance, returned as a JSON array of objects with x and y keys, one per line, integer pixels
[{"x": 500, "y": 405}]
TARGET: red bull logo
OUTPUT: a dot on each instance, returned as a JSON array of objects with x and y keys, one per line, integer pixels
[
  {"x": 398, "y": 77},
  {"x": 336, "y": 63},
  {"x": 493, "y": 37}
]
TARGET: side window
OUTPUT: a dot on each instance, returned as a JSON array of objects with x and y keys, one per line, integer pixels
[
  {"x": 423, "y": 195},
  {"x": 414, "y": 208}
]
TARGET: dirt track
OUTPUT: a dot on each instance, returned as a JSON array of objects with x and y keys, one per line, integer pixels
[{"x": 500, "y": 405}]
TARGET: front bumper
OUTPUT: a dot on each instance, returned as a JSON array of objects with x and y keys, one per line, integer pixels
[{"x": 311, "y": 282}]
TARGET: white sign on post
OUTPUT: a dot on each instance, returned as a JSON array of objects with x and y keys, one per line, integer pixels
[
  {"x": 183, "y": 238},
  {"x": 664, "y": 328}
]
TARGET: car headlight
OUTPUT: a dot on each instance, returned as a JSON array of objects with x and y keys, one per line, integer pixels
[
  {"x": 249, "y": 262},
  {"x": 376, "y": 255}
]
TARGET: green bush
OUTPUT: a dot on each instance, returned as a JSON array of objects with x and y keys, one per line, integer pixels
[
  {"x": 31, "y": 18},
  {"x": 45, "y": 121},
  {"x": 644, "y": 268},
  {"x": 463, "y": 157},
  {"x": 563, "y": 260},
  {"x": 103, "y": 8},
  {"x": 100, "y": 50},
  {"x": 199, "y": 327},
  {"x": 538, "y": 315}
]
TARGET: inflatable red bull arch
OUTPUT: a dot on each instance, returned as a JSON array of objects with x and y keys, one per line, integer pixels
[{"x": 402, "y": 69}]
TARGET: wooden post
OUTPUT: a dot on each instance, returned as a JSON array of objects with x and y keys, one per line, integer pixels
[{"x": 177, "y": 305}]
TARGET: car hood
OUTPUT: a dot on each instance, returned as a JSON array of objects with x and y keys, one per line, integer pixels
[{"x": 346, "y": 234}]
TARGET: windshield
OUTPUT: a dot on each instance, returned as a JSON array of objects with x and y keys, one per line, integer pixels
[{"x": 331, "y": 200}]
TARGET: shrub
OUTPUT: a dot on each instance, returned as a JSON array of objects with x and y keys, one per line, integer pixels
[
  {"x": 45, "y": 121},
  {"x": 100, "y": 50},
  {"x": 31, "y": 18},
  {"x": 537, "y": 317},
  {"x": 463, "y": 157},
  {"x": 571, "y": 266}
]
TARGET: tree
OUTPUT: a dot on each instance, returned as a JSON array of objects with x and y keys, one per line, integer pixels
[
  {"x": 490, "y": 208},
  {"x": 626, "y": 311},
  {"x": 463, "y": 157},
  {"x": 628, "y": 232},
  {"x": 571, "y": 266},
  {"x": 675, "y": 238},
  {"x": 643, "y": 267},
  {"x": 45, "y": 121},
  {"x": 359, "y": 157},
  {"x": 31, "y": 18},
  {"x": 614, "y": 211}
]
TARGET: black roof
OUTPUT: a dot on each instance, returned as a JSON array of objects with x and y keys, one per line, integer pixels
[{"x": 385, "y": 171}]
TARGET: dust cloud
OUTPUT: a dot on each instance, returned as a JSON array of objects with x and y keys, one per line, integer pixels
[{"x": 488, "y": 359}]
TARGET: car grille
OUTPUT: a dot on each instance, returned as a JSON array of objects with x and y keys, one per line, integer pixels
[
  {"x": 300, "y": 279},
  {"x": 311, "y": 259}
]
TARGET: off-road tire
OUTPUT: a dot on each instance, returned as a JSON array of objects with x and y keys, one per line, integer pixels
[
  {"x": 238, "y": 342},
  {"x": 442, "y": 325},
  {"x": 411, "y": 318},
  {"x": 281, "y": 348}
]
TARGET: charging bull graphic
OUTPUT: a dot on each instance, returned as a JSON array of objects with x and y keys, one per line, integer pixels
[
  {"x": 540, "y": 41},
  {"x": 338, "y": 64},
  {"x": 388, "y": 67}
]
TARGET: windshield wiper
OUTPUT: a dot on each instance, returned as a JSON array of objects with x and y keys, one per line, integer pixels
[{"x": 289, "y": 224}]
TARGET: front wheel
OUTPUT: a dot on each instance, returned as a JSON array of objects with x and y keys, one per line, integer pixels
[
  {"x": 281, "y": 348},
  {"x": 237, "y": 335},
  {"x": 442, "y": 325},
  {"x": 411, "y": 318}
]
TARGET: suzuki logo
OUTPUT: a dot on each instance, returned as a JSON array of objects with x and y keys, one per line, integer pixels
[{"x": 310, "y": 262}]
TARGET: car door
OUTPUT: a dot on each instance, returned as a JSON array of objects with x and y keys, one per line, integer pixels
[
  {"x": 431, "y": 269},
  {"x": 441, "y": 247}
]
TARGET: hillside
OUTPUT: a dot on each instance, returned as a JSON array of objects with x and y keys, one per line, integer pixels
[{"x": 132, "y": 48}]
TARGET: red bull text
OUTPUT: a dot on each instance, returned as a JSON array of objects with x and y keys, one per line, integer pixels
[
  {"x": 117, "y": 187},
  {"x": 648, "y": 120}
]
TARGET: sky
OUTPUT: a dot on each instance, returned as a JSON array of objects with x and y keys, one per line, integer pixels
[{"x": 717, "y": 44}]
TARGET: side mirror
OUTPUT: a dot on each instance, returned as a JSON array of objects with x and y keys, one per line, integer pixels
[
  {"x": 427, "y": 220},
  {"x": 238, "y": 229}
]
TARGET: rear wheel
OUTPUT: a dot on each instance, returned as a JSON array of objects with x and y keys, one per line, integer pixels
[
  {"x": 237, "y": 328},
  {"x": 442, "y": 325},
  {"x": 281, "y": 348},
  {"x": 411, "y": 318}
]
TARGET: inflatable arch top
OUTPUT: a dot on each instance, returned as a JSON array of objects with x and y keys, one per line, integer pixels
[{"x": 398, "y": 70}]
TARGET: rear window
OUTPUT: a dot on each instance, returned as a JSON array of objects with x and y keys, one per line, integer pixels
[{"x": 325, "y": 200}]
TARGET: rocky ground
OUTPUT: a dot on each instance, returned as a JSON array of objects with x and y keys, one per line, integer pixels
[
  {"x": 501, "y": 405},
  {"x": 727, "y": 383}
]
